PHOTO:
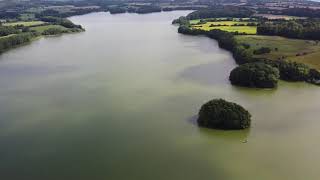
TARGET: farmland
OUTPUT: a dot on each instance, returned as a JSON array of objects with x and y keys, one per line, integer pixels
[{"x": 225, "y": 25}]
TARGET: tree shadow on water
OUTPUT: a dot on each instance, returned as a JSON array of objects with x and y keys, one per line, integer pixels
[{"x": 240, "y": 136}]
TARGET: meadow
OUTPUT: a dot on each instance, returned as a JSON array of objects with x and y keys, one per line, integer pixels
[
  {"x": 40, "y": 29},
  {"x": 304, "y": 51},
  {"x": 24, "y": 23},
  {"x": 4, "y": 37}
]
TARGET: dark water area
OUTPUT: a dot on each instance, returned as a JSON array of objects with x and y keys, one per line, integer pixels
[{"x": 119, "y": 101}]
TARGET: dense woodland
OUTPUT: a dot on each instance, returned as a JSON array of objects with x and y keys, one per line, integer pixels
[
  {"x": 302, "y": 12},
  {"x": 302, "y": 29},
  {"x": 221, "y": 11},
  {"x": 257, "y": 74}
]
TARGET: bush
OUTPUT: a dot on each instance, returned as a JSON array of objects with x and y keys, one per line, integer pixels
[
  {"x": 52, "y": 31},
  {"x": 182, "y": 21},
  {"x": 221, "y": 114},
  {"x": 245, "y": 45},
  {"x": 262, "y": 50},
  {"x": 186, "y": 30},
  {"x": 258, "y": 75},
  {"x": 314, "y": 77}
]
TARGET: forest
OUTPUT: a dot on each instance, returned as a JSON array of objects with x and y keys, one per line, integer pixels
[
  {"x": 302, "y": 29},
  {"x": 221, "y": 11}
]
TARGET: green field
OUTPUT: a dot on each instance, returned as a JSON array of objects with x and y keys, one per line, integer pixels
[
  {"x": 24, "y": 23},
  {"x": 40, "y": 29},
  {"x": 4, "y": 37},
  {"x": 304, "y": 51},
  {"x": 225, "y": 26},
  {"x": 27, "y": 17}
]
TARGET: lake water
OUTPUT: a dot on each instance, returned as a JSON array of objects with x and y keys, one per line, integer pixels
[{"x": 118, "y": 102}]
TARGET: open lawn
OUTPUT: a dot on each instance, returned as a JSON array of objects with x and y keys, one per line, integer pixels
[
  {"x": 304, "y": 51},
  {"x": 40, "y": 29},
  {"x": 24, "y": 23}
]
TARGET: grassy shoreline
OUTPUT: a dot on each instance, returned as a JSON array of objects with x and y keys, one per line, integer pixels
[
  {"x": 34, "y": 38},
  {"x": 297, "y": 50}
]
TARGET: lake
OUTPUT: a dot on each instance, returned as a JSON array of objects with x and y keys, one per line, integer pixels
[{"x": 120, "y": 100}]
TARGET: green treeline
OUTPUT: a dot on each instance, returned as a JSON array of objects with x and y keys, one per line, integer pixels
[
  {"x": 221, "y": 11},
  {"x": 293, "y": 71},
  {"x": 7, "y": 30},
  {"x": 148, "y": 9},
  {"x": 60, "y": 21},
  {"x": 15, "y": 40},
  {"x": 301, "y": 12},
  {"x": 56, "y": 31},
  {"x": 74, "y": 12},
  {"x": 302, "y": 29},
  {"x": 134, "y": 9}
]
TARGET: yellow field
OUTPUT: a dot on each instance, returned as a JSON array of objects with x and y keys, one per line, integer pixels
[
  {"x": 228, "y": 26},
  {"x": 225, "y": 25},
  {"x": 304, "y": 51}
]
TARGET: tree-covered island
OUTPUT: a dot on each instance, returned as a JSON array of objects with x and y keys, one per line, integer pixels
[{"x": 221, "y": 114}]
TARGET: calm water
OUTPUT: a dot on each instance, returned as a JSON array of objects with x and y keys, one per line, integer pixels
[{"x": 118, "y": 102}]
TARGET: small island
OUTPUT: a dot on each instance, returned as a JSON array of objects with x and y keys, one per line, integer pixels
[
  {"x": 221, "y": 114},
  {"x": 258, "y": 75}
]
